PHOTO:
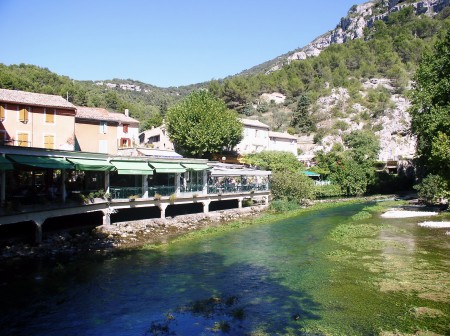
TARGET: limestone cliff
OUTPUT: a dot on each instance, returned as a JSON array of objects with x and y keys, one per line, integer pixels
[{"x": 352, "y": 26}]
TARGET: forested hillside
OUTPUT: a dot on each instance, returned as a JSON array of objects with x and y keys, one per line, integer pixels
[
  {"x": 148, "y": 105},
  {"x": 390, "y": 49}
]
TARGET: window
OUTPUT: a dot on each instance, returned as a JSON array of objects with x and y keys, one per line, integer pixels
[
  {"x": 49, "y": 141},
  {"x": 49, "y": 116},
  {"x": 22, "y": 139},
  {"x": 23, "y": 114},
  {"x": 103, "y": 127},
  {"x": 125, "y": 128},
  {"x": 125, "y": 142},
  {"x": 2, "y": 112}
]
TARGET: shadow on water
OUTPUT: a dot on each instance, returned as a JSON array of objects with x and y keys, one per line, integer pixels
[{"x": 149, "y": 293}]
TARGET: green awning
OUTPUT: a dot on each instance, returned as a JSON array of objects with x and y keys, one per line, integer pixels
[
  {"x": 91, "y": 164},
  {"x": 132, "y": 167},
  {"x": 41, "y": 161},
  {"x": 310, "y": 173},
  {"x": 196, "y": 166},
  {"x": 5, "y": 164},
  {"x": 168, "y": 167}
]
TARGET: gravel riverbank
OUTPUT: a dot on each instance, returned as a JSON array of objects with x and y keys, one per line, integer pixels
[{"x": 123, "y": 235}]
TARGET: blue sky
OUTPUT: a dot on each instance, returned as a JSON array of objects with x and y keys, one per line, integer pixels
[{"x": 159, "y": 42}]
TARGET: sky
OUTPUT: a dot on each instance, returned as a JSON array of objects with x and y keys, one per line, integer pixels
[{"x": 159, "y": 42}]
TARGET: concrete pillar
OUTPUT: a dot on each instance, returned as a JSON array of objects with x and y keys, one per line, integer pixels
[
  {"x": 63, "y": 185},
  {"x": 206, "y": 206},
  {"x": 177, "y": 183},
  {"x": 240, "y": 199},
  {"x": 205, "y": 182},
  {"x": 145, "y": 186},
  {"x": 38, "y": 230},
  {"x": 163, "y": 207},
  {"x": 106, "y": 217}
]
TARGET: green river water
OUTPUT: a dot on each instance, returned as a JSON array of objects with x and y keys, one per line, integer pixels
[{"x": 340, "y": 270}]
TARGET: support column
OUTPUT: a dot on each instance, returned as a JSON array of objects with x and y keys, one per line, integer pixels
[
  {"x": 145, "y": 186},
  {"x": 38, "y": 230},
  {"x": 240, "y": 199},
  {"x": 206, "y": 206},
  {"x": 177, "y": 183},
  {"x": 205, "y": 182},
  {"x": 106, "y": 217},
  {"x": 163, "y": 207}
]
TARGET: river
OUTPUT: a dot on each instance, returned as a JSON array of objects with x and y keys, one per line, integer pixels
[{"x": 336, "y": 271}]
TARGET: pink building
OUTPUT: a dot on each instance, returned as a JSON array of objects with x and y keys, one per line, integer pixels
[
  {"x": 31, "y": 119},
  {"x": 101, "y": 131}
]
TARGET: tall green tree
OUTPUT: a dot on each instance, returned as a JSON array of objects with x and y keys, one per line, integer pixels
[
  {"x": 431, "y": 109},
  {"x": 301, "y": 118},
  {"x": 202, "y": 125},
  {"x": 275, "y": 161}
]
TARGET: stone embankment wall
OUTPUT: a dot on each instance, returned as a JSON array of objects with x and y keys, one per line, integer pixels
[{"x": 123, "y": 235}]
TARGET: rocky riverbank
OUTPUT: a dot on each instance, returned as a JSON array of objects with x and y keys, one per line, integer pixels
[{"x": 123, "y": 235}]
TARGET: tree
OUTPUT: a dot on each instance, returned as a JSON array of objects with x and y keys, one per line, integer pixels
[
  {"x": 433, "y": 190},
  {"x": 275, "y": 161},
  {"x": 363, "y": 145},
  {"x": 292, "y": 187},
  {"x": 201, "y": 125},
  {"x": 301, "y": 119},
  {"x": 431, "y": 109}
]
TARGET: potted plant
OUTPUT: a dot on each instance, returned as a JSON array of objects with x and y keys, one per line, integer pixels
[
  {"x": 157, "y": 197},
  {"x": 132, "y": 198},
  {"x": 172, "y": 198}
]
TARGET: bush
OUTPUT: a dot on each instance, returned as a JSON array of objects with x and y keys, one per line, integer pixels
[
  {"x": 292, "y": 186},
  {"x": 433, "y": 189},
  {"x": 283, "y": 206},
  {"x": 330, "y": 190}
]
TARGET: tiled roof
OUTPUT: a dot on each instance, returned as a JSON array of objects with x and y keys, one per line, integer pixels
[
  {"x": 153, "y": 131},
  {"x": 255, "y": 123},
  {"x": 34, "y": 99},
  {"x": 282, "y": 135},
  {"x": 123, "y": 118},
  {"x": 98, "y": 113}
]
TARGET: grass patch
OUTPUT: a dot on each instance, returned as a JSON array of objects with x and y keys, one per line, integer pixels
[{"x": 361, "y": 215}]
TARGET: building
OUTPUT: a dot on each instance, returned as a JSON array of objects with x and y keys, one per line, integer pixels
[
  {"x": 157, "y": 138},
  {"x": 283, "y": 142},
  {"x": 101, "y": 131},
  {"x": 256, "y": 137},
  {"x": 29, "y": 119}
]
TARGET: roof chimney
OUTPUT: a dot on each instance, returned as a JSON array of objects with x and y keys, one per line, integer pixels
[{"x": 127, "y": 113}]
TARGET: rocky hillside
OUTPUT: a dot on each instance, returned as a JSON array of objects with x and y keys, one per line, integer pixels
[
  {"x": 352, "y": 27},
  {"x": 374, "y": 100}
]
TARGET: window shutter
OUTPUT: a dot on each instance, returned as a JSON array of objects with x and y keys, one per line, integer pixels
[
  {"x": 23, "y": 114},
  {"x": 2, "y": 112},
  {"x": 23, "y": 139},
  {"x": 49, "y": 141},
  {"x": 49, "y": 116}
]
